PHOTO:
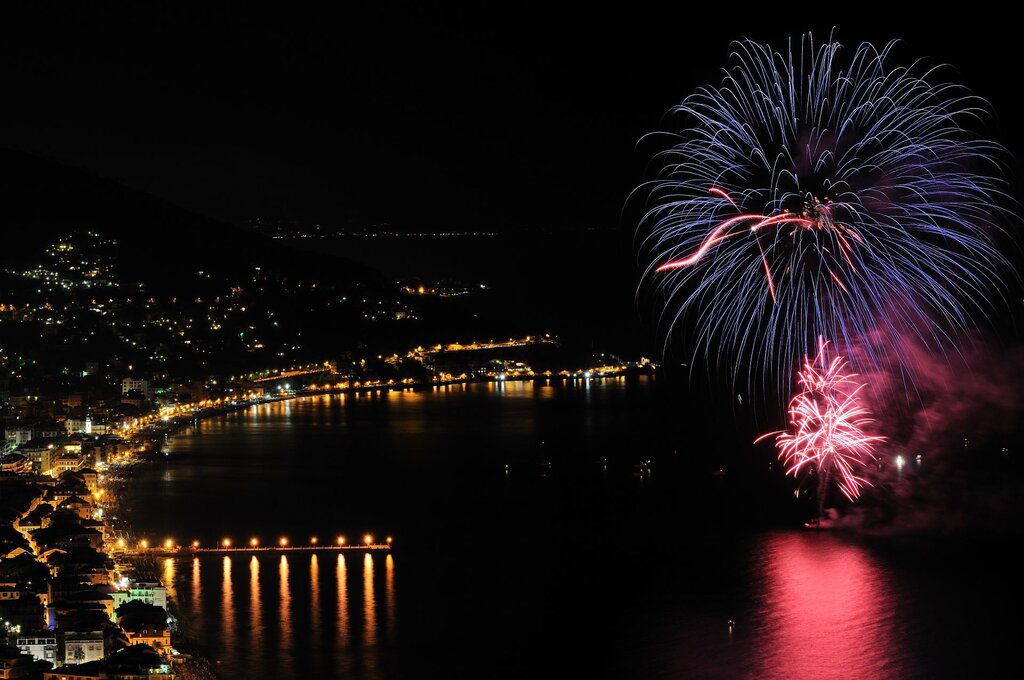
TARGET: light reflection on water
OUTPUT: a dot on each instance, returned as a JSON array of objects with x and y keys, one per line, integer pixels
[
  {"x": 805, "y": 604},
  {"x": 250, "y": 623},
  {"x": 825, "y": 609}
]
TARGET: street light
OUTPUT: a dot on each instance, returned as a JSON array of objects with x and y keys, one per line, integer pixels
[
  {"x": 341, "y": 540},
  {"x": 254, "y": 542},
  {"x": 283, "y": 542},
  {"x": 313, "y": 540},
  {"x": 226, "y": 543},
  {"x": 368, "y": 539}
]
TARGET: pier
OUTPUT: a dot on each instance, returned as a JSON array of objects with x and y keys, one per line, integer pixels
[
  {"x": 227, "y": 546},
  {"x": 185, "y": 551}
]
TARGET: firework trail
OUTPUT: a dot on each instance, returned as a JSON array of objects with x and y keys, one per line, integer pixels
[
  {"x": 816, "y": 192},
  {"x": 827, "y": 420}
]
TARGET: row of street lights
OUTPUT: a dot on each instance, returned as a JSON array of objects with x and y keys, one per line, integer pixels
[{"x": 254, "y": 542}]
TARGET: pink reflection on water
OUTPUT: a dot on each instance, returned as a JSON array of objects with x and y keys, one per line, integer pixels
[{"x": 826, "y": 611}]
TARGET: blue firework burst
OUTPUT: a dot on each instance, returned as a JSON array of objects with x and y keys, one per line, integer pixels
[{"x": 822, "y": 192}]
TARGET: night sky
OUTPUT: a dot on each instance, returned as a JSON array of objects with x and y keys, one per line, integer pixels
[{"x": 509, "y": 118}]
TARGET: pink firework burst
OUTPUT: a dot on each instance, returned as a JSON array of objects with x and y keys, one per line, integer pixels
[{"x": 827, "y": 426}]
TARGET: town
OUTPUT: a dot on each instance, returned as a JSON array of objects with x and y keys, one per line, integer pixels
[{"x": 81, "y": 594}]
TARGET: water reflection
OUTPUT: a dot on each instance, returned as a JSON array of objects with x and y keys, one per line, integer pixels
[
  {"x": 197, "y": 611},
  {"x": 389, "y": 566},
  {"x": 369, "y": 604},
  {"x": 168, "y": 579},
  {"x": 342, "y": 602},
  {"x": 277, "y": 615},
  {"x": 314, "y": 594},
  {"x": 285, "y": 603},
  {"x": 826, "y": 610},
  {"x": 255, "y": 607},
  {"x": 227, "y": 606}
]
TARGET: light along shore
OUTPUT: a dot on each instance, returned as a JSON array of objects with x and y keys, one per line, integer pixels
[
  {"x": 158, "y": 427},
  {"x": 185, "y": 552}
]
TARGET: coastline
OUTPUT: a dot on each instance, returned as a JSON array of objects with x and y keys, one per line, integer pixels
[{"x": 147, "y": 440}]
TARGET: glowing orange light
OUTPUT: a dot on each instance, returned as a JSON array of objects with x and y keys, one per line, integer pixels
[
  {"x": 120, "y": 543},
  {"x": 283, "y": 542},
  {"x": 254, "y": 542},
  {"x": 389, "y": 540},
  {"x": 226, "y": 543},
  {"x": 143, "y": 544},
  {"x": 195, "y": 544},
  {"x": 168, "y": 544},
  {"x": 313, "y": 540},
  {"x": 341, "y": 540},
  {"x": 368, "y": 539}
]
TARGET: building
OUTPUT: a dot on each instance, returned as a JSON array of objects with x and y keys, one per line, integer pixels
[
  {"x": 14, "y": 663},
  {"x": 90, "y": 477},
  {"x": 82, "y": 645},
  {"x": 41, "y": 645},
  {"x": 16, "y": 435},
  {"x": 129, "y": 385},
  {"x": 150, "y": 592},
  {"x": 156, "y": 636},
  {"x": 49, "y": 429},
  {"x": 16, "y": 463},
  {"x": 138, "y": 662},
  {"x": 66, "y": 462}
]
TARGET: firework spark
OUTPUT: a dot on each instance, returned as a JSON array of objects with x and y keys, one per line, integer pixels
[
  {"x": 815, "y": 192},
  {"x": 827, "y": 426}
]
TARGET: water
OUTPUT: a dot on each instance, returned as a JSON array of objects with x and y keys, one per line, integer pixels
[
  {"x": 571, "y": 562},
  {"x": 290, "y": 615}
]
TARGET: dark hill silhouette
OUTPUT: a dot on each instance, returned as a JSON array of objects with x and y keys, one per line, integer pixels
[{"x": 159, "y": 243}]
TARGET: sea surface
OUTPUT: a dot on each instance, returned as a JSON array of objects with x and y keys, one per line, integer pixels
[{"x": 545, "y": 529}]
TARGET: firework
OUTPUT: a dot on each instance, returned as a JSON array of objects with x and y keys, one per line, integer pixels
[
  {"x": 827, "y": 421},
  {"x": 816, "y": 192}
]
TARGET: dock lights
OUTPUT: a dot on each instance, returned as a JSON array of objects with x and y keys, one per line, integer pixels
[
  {"x": 168, "y": 544},
  {"x": 226, "y": 543},
  {"x": 368, "y": 539},
  {"x": 254, "y": 542},
  {"x": 341, "y": 540},
  {"x": 283, "y": 542},
  {"x": 312, "y": 541},
  {"x": 195, "y": 544}
]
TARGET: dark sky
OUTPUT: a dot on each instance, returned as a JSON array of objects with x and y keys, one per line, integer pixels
[{"x": 508, "y": 118}]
